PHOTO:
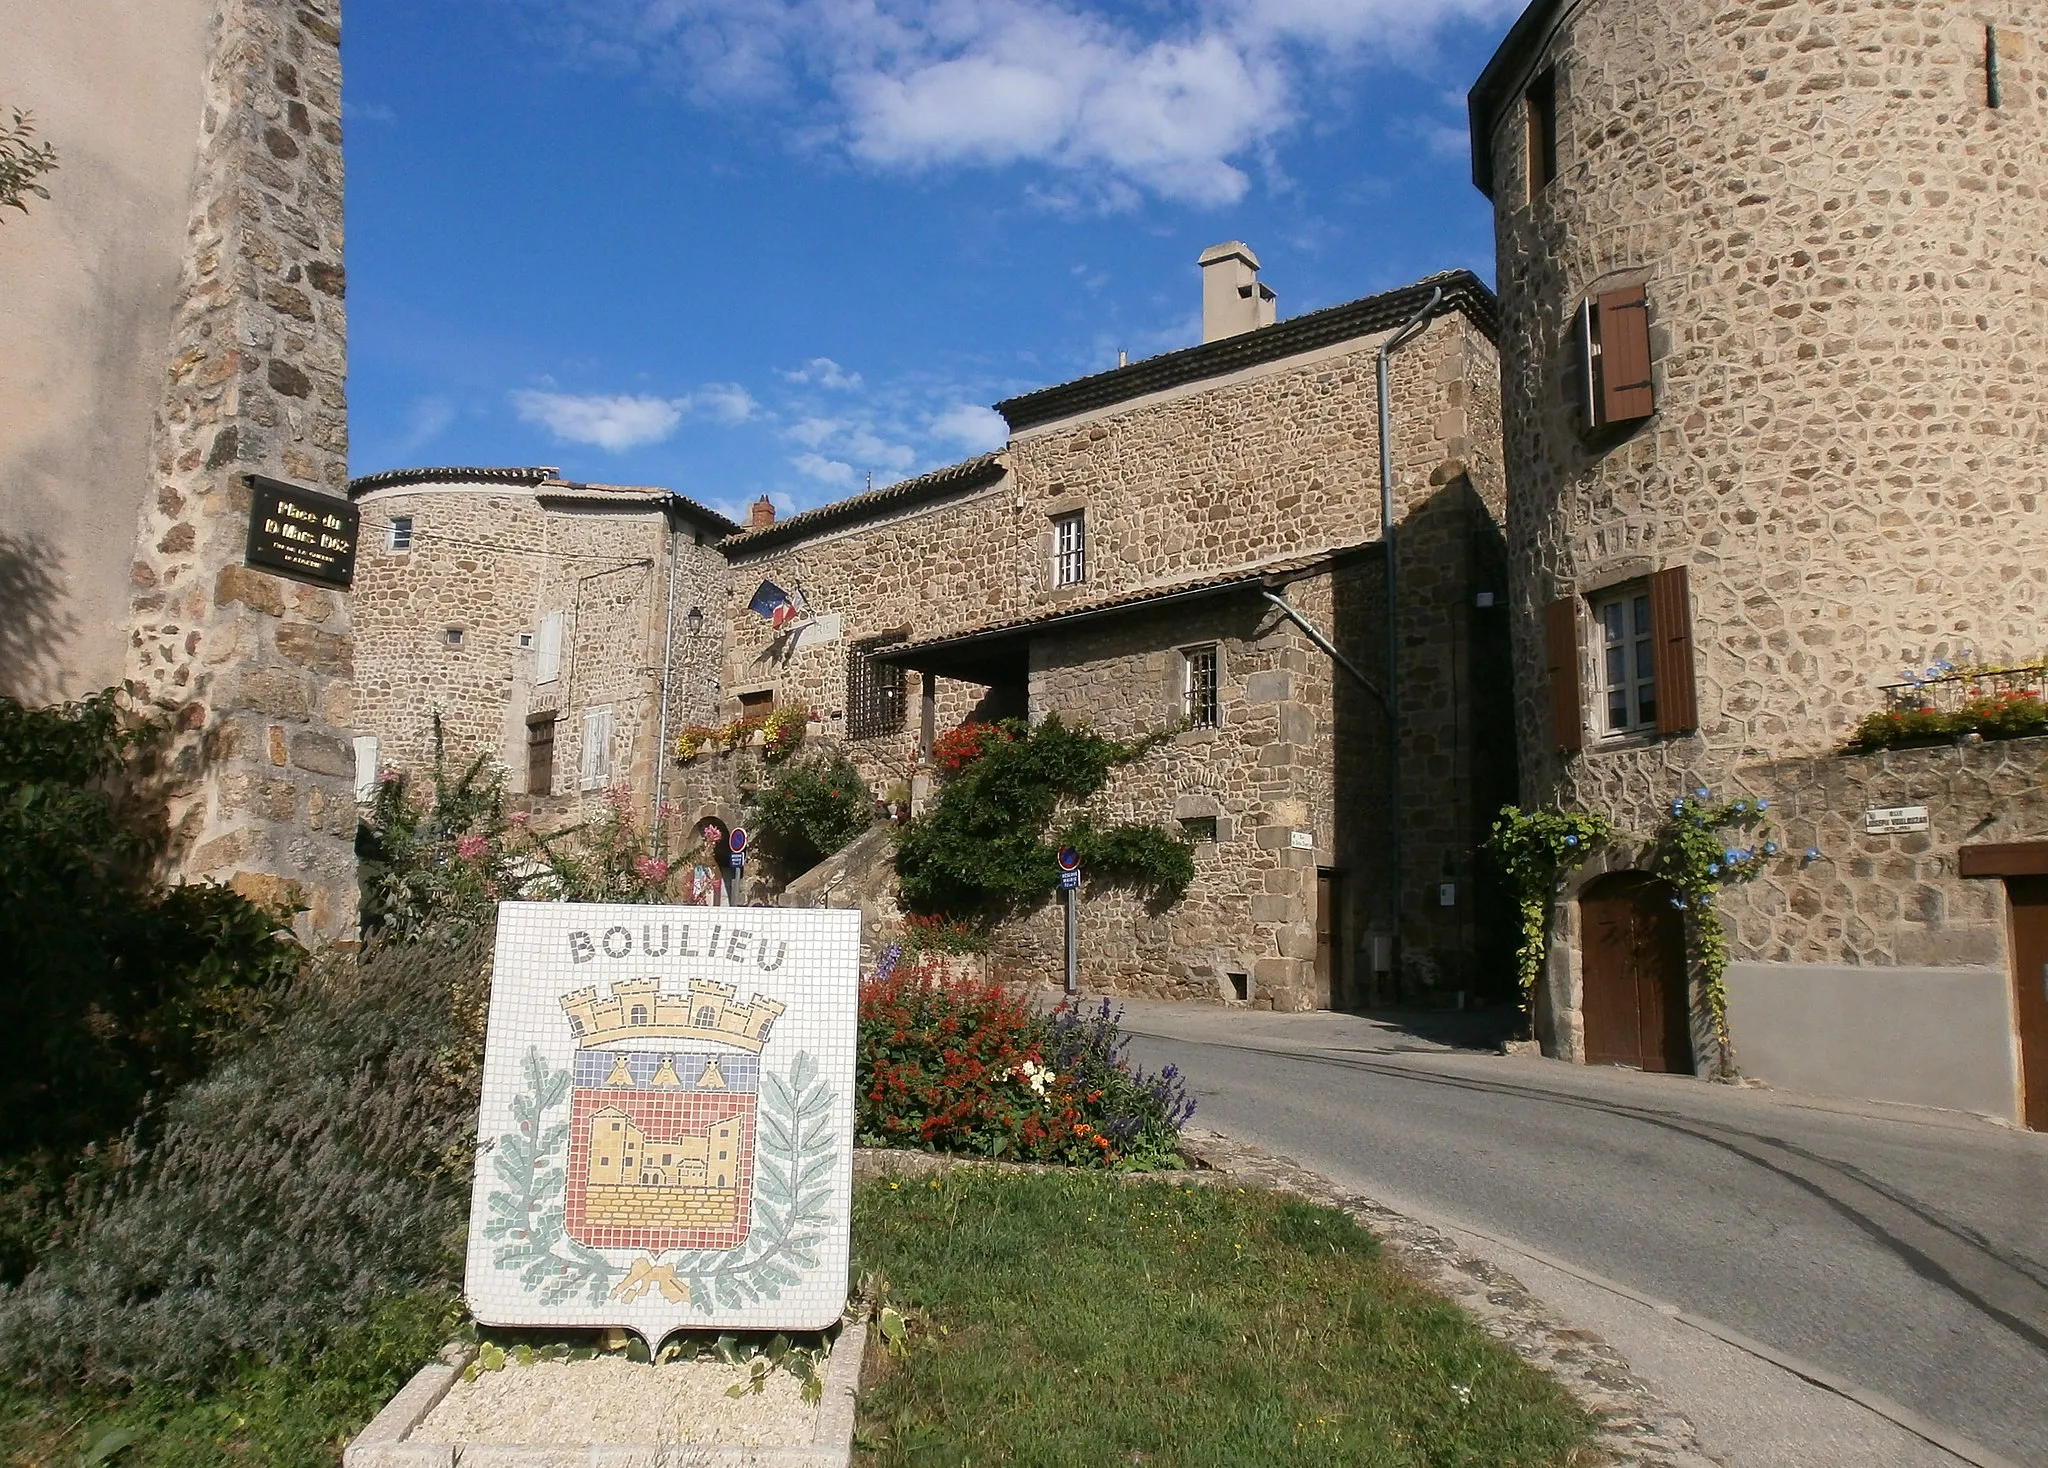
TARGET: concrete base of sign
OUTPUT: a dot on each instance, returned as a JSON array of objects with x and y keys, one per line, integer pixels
[{"x": 388, "y": 1441}]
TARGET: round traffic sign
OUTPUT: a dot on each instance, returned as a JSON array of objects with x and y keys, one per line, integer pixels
[
  {"x": 1070, "y": 859},
  {"x": 737, "y": 840}
]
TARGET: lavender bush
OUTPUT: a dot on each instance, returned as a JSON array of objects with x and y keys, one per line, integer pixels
[{"x": 1141, "y": 1112}]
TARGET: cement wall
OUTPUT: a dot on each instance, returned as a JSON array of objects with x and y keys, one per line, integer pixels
[
  {"x": 1924, "y": 1036},
  {"x": 91, "y": 280}
]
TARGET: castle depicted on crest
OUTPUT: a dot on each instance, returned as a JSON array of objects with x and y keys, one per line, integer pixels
[{"x": 636, "y": 1009}]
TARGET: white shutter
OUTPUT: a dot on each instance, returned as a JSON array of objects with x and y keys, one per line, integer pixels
[
  {"x": 597, "y": 746},
  {"x": 366, "y": 766},
  {"x": 548, "y": 660}
]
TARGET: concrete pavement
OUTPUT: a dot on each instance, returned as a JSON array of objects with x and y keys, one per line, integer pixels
[{"x": 1731, "y": 1242}]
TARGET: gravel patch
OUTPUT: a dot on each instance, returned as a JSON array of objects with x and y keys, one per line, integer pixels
[{"x": 609, "y": 1400}]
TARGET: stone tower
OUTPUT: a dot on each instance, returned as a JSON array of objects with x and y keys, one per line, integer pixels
[{"x": 1774, "y": 347}]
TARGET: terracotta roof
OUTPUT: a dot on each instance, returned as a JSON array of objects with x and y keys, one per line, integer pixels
[
  {"x": 1270, "y": 573},
  {"x": 547, "y": 485},
  {"x": 1463, "y": 292},
  {"x": 1502, "y": 81},
  {"x": 392, "y": 478},
  {"x": 939, "y": 484}
]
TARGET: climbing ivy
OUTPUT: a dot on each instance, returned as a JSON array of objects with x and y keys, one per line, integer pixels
[
  {"x": 1695, "y": 853},
  {"x": 985, "y": 840},
  {"x": 1534, "y": 849}
]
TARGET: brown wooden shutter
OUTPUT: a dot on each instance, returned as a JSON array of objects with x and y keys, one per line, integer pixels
[
  {"x": 1625, "y": 391},
  {"x": 1561, "y": 658},
  {"x": 1678, "y": 706},
  {"x": 540, "y": 755}
]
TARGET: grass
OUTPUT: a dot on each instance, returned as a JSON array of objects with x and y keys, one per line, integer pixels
[
  {"x": 299, "y": 1412},
  {"x": 1074, "y": 1319}
]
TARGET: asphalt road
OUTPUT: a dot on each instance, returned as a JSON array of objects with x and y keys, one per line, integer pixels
[{"x": 1900, "y": 1255}]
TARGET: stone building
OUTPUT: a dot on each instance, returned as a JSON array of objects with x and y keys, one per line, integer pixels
[
  {"x": 1774, "y": 344},
  {"x": 1167, "y": 542},
  {"x": 173, "y": 322},
  {"x": 563, "y": 629}
]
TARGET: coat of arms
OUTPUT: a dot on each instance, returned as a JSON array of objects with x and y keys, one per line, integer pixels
[{"x": 662, "y": 1116}]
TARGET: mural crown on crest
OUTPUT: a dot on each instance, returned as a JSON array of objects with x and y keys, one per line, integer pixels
[{"x": 636, "y": 1009}]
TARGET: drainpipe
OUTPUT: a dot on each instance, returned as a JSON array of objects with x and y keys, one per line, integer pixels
[
  {"x": 668, "y": 658},
  {"x": 1409, "y": 330}
]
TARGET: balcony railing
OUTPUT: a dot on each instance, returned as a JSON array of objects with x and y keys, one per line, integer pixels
[{"x": 1945, "y": 688}]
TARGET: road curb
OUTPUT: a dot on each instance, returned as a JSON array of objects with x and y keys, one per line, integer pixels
[{"x": 1638, "y": 1428}]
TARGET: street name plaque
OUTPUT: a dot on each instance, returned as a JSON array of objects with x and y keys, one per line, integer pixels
[
  {"x": 666, "y": 1136},
  {"x": 302, "y": 534}
]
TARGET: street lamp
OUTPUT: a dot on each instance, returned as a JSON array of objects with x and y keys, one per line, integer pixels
[{"x": 694, "y": 621}]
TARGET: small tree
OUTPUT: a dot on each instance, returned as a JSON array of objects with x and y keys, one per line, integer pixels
[
  {"x": 22, "y": 162},
  {"x": 811, "y": 808}
]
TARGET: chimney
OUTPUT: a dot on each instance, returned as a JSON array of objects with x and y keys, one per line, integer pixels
[
  {"x": 1233, "y": 301},
  {"x": 761, "y": 513}
]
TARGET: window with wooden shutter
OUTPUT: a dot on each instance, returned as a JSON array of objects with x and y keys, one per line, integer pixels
[
  {"x": 1561, "y": 658},
  {"x": 540, "y": 754},
  {"x": 1678, "y": 710},
  {"x": 1613, "y": 340},
  {"x": 597, "y": 746},
  {"x": 547, "y": 658}
]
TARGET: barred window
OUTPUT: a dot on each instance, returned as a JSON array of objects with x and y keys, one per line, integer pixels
[
  {"x": 1199, "y": 687},
  {"x": 1070, "y": 549},
  {"x": 874, "y": 691},
  {"x": 1199, "y": 829}
]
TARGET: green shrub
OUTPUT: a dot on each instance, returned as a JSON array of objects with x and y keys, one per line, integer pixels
[
  {"x": 811, "y": 808},
  {"x": 119, "y": 988},
  {"x": 310, "y": 1179},
  {"x": 984, "y": 844}
]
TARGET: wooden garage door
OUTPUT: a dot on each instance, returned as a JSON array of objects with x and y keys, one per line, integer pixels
[
  {"x": 1634, "y": 1001},
  {"x": 2030, "y": 992}
]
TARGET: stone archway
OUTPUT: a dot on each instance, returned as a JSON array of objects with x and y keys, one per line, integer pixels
[{"x": 1635, "y": 1004}]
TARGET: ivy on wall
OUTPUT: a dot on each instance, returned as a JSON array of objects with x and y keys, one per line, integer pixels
[
  {"x": 1534, "y": 849},
  {"x": 1695, "y": 852},
  {"x": 986, "y": 843}
]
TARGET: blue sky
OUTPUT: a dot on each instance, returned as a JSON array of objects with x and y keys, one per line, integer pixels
[{"x": 736, "y": 247}]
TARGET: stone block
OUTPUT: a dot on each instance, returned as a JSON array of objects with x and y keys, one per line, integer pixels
[
  {"x": 323, "y": 754},
  {"x": 1269, "y": 687},
  {"x": 251, "y": 588},
  {"x": 309, "y": 647}
]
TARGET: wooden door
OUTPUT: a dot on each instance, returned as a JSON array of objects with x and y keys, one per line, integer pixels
[
  {"x": 2030, "y": 993},
  {"x": 1326, "y": 939},
  {"x": 1634, "y": 1001}
]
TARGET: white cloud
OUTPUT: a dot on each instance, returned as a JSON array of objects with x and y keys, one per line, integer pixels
[
  {"x": 974, "y": 428},
  {"x": 824, "y": 372},
  {"x": 1176, "y": 109},
  {"x": 424, "y": 422},
  {"x": 614, "y": 422},
  {"x": 825, "y": 471},
  {"x": 724, "y": 402}
]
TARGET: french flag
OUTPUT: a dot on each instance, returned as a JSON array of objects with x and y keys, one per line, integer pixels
[{"x": 777, "y": 607}]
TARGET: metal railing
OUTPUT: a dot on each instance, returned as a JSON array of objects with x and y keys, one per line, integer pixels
[{"x": 1945, "y": 688}]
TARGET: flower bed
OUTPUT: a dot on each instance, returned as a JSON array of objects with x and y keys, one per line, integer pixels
[{"x": 959, "y": 1066}]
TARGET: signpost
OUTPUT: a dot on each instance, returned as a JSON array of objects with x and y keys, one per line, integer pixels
[
  {"x": 1070, "y": 887},
  {"x": 738, "y": 842},
  {"x": 302, "y": 534}
]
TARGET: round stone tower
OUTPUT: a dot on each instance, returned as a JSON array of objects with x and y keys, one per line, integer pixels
[{"x": 1774, "y": 297}]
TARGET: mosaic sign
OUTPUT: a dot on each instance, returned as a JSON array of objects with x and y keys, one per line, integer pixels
[{"x": 666, "y": 1136}]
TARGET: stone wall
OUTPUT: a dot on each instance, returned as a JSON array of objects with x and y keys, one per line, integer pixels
[
  {"x": 490, "y": 561},
  {"x": 1839, "y": 241},
  {"x": 253, "y": 670}
]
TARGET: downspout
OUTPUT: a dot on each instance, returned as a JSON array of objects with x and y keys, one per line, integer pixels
[
  {"x": 668, "y": 658},
  {"x": 1409, "y": 330}
]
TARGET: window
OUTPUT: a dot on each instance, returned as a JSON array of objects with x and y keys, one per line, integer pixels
[
  {"x": 540, "y": 754},
  {"x": 707, "y": 1018},
  {"x": 1070, "y": 549},
  {"x": 1614, "y": 358},
  {"x": 398, "y": 534},
  {"x": 1199, "y": 829},
  {"x": 875, "y": 696},
  {"x": 1539, "y": 107},
  {"x": 1628, "y": 669},
  {"x": 452, "y": 636},
  {"x": 366, "y": 766},
  {"x": 597, "y": 746},
  {"x": 1198, "y": 687},
  {"x": 547, "y": 659},
  {"x": 756, "y": 705}
]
